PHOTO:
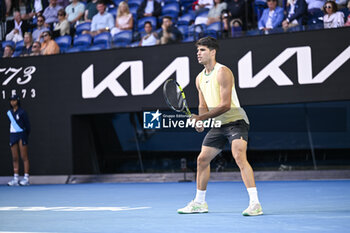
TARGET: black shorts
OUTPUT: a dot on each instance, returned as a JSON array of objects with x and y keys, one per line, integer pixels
[
  {"x": 218, "y": 137},
  {"x": 15, "y": 137}
]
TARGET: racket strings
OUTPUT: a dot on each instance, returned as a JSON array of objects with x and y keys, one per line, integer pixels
[{"x": 174, "y": 96}]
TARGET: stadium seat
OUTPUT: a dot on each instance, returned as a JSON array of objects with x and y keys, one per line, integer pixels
[
  {"x": 82, "y": 27},
  {"x": 8, "y": 42},
  {"x": 259, "y": 7},
  {"x": 184, "y": 30},
  {"x": 171, "y": 9},
  {"x": 82, "y": 41},
  {"x": 186, "y": 19},
  {"x": 133, "y": 3},
  {"x": 75, "y": 50},
  {"x": 122, "y": 39},
  {"x": 236, "y": 31},
  {"x": 188, "y": 39},
  {"x": 64, "y": 42},
  {"x": 133, "y": 11},
  {"x": 103, "y": 39},
  {"x": 19, "y": 45},
  {"x": 214, "y": 29},
  {"x": 113, "y": 11},
  {"x": 141, "y": 22},
  {"x": 95, "y": 48},
  {"x": 17, "y": 53},
  {"x": 197, "y": 31}
]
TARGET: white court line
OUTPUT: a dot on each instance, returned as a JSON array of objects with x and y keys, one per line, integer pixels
[
  {"x": 71, "y": 208},
  {"x": 23, "y": 232}
]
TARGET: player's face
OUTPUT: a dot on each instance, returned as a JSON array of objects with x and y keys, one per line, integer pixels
[{"x": 203, "y": 54}]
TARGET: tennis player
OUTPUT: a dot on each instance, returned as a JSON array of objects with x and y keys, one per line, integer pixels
[
  {"x": 19, "y": 131},
  {"x": 218, "y": 99}
]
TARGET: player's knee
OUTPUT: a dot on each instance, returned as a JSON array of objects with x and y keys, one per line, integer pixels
[
  {"x": 202, "y": 161},
  {"x": 240, "y": 157}
]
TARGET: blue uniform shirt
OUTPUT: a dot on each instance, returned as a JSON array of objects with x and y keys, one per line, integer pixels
[{"x": 19, "y": 121}]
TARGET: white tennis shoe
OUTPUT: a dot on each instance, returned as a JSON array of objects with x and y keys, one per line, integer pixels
[
  {"x": 194, "y": 208},
  {"x": 13, "y": 182},
  {"x": 253, "y": 210},
  {"x": 24, "y": 182}
]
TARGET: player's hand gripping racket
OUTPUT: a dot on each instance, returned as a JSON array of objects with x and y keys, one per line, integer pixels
[{"x": 175, "y": 97}]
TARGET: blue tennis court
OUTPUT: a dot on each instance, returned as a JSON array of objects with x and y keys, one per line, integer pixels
[{"x": 289, "y": 206}]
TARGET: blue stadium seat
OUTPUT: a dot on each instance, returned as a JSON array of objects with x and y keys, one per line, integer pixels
[
  {"x": 82, "y": 41},
  {"x": 184, "y": 30},
  {"x": 186, "y": 5},
  {"x": 236, "y": 31},
  {"x": 116, "y": 2},
  {"x": 141, "y": 22},
  {"x": 113, "y": 11},
  {"x": 186, "y": 19},
  {"x": 133, "y": 11},
  {"x": 64, "y": 42},
  {"x": 197, "y": 31},
  {"x": 214, "y": 29},
  {"x": 95, "y": 48},
  {"x": 75, "y": 50},
  {"x": 17, "y": 53},
  {"x": 122, "y": 39},
  {"x": 19, "y": 45},
  {"x": 8, "y": 42},
  {"x": 171, "y": 9},
  {"x": 188, "y": 39},
  {"x": 103, "y": 39},
  {"x": 259, "y": 7},
  {"x": 82, "y": 27},
  {"x": 133, "y": 3}
]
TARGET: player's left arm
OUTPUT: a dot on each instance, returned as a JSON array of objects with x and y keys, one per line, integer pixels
[{"x": 225, "y": 80}]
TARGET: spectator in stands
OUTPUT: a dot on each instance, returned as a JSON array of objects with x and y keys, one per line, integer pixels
[
  {"x": 296, "y": 11},
  {"x": 150, "y": 38},
  {"x": 271, "y": 17},
  {"x": 124, "y": 20},
  {"x": 63, "y": 3},
  {"x": 75, "y": 12},
  {"x": 332, "y": 17},
  {"x": 8, "y": 51},
  {"x": 214, "y": 14},
  {"x": 169, "y": 34},
  {"x": 348, "y": 20},
  {"x": 314, "y": 5},
  {"x": 34, "y": 7},
  {"x": 40, "y": 28},
  {"x": 234, "y": 15},
  {"x": 101, "y": 22},
  {"x": 50, "y": 13},
  {"x": 28, "y": 41},
  {"x": 16, "y": 27},
  {"x": 36, "y": 49},
  {"x": 149, "y": 8},
  {"x": 49, "y": 46},
  {"x": 203, "y": 5},
  {"x": 62, "y": 27},
  {"x": 90, "y": 10}
]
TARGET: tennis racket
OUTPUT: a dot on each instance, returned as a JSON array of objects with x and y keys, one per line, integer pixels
[{"x": 175, "y": 97}]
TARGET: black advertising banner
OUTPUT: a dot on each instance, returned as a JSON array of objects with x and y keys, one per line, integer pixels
[{"x": 281, "y": 68}]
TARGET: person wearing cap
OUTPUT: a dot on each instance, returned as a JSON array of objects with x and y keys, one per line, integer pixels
[{"x": 19, "y": 131}]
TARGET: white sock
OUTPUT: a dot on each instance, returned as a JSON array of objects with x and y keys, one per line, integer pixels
[
  {"x": 15, "y": 176},
  {"x": 26, "y": 176},
  {"x": 253, "y": 195},
  {"x": 200, "y": 196}
]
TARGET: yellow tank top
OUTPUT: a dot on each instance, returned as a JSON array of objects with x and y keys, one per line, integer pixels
[{"x": 211, "y": 91}]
